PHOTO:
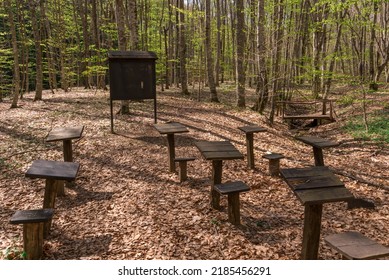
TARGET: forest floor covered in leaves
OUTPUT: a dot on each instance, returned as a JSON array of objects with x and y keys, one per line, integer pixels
[{"x": 127, "y": 205}]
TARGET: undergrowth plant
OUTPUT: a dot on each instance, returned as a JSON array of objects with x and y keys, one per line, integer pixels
[{"x": 378, "y": 128}]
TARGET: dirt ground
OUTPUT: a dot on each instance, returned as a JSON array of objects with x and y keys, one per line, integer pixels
[{"x": 125, "y": 203}]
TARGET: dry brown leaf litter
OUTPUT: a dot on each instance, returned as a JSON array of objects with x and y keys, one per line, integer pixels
[{"x": 126, "y": 205}]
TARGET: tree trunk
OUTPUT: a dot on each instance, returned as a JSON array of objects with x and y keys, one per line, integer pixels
[
  {"x": 208, "y": 51},
  {"x": 36, "y": 27},
  {"x": 50, "y": 50},
  {"x": 240, "y": 53},
  {"x": 262, "y": 89},
  {"x": 182, "y": 47},
  {"x": 278, "y": 40},
  {"x": 16, "y": 74},
  {"x": 122, "y": 43},
  {"x": 218, "y": 43},
  {"x": 331, "y": 69},
  {"x": 372, "y": 65},
  {"x": 133, "y": 25}
]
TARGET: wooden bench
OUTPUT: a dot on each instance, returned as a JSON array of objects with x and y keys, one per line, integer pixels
[
  {"x": 232, "y": 189},
  {"x": 355, "y": 246},
  {"x": 274, "y": 163},
  {"x": 183, "y": 164},
  {"x": 33, "y": 221}
]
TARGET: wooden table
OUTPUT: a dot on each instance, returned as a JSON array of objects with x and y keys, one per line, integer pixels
[
  {"x": 54, "y": 172},
  {"x": 66, "y": 135},
  {"x": 314, "y": 186},
  {"x": 217, "y": 151},
  {"x": 170, "y": 129},
  {"x": 318, "y": 145},
  {"x": 249, "y": 131}
]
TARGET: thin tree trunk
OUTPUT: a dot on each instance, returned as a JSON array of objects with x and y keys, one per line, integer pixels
[
  {"x": 122, "y": 43},
  {"x": 218, "y": 43},
  {"x": 133, "y": 25},
  {"x": 36, "y": 27},
  {"x": 15, "y": 49},
  {"x": 182, "y": 47},
  {"x": 262, "y": 89},
  {"x": 240, "y": 54},
  {"x": 278, "y": 17},
  {"x": 208, "y": 50},
  {"x": 50, "y": 53}
]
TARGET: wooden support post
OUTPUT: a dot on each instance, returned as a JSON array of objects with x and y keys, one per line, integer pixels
[
  {"x": 33, "y": 240},
  {"x": 33, "y": 230},
  {"x": 182, "y": 172},
  {"x": 274, "y": 167},
  {"x": 67, "y": 150},
  {"x": 234, "y": 208},
  {"x": 250, "y": 150},
  {"x": 311, "y": 233},
  {"x": 49, "y": 200},
  {"x": 67, "y": 156},
  {"x": 318, "y": 155},
  {"x": 217, "y": 166},
  {"x": 171, "y": 151}
]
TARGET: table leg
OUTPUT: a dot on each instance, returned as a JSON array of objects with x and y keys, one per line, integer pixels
[
  {"x": 216, "y": 179},
  {"x": 49, "y": 200},
  {"x": 250, "y": 150},
  {"x": 311, "y": 233},
  {"x": 68, "y": 157},
  {"x": 318, "y": 155},
  {"x": 171, "y": 152},
  {"x": 67, "y": 150}
]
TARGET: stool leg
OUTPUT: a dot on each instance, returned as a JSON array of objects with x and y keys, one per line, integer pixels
[
  {"x": 274, "y": 167},
  {"x": 49, "y": 200},
  {"x": 182, "y": 173},
  {"x": 33, "y": 240},
  {"x": 234, "y": 208}
]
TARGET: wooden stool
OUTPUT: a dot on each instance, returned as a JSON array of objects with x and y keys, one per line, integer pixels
[
  {"x": 232, "y": 189},
  {"x": 32, "y": 221},
  {"x": 274, "y": 163},
  {"x": 183, "y": 164},
  {"x": 355, "y": 246}
]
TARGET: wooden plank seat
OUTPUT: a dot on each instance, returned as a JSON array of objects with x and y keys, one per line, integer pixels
[
  {"x": 33, "y": 221},
  {"x": 274, "y": 163},
  {"x": 307, "y": 117},
  {"x": 183, "y": 166},
  {"x": 232, "y": 190},
  {"x": 355, "y": 246}
]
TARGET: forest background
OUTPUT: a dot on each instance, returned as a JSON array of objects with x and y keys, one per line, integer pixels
[{"x": 272, "y": 46}]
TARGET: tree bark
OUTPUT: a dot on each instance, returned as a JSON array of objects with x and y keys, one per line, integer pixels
[
  {"x": 122, "y": 42},
  {"x": 262, "y": 89},
  {"x": 240, "y": 53},
  {"x": 182, "y": 42},
  {"x": 218, "y": 43},
  {"x": 36, "y": 27},
  {"x": 208, "y": 51},
  {"x": 15, "y": 49}
]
